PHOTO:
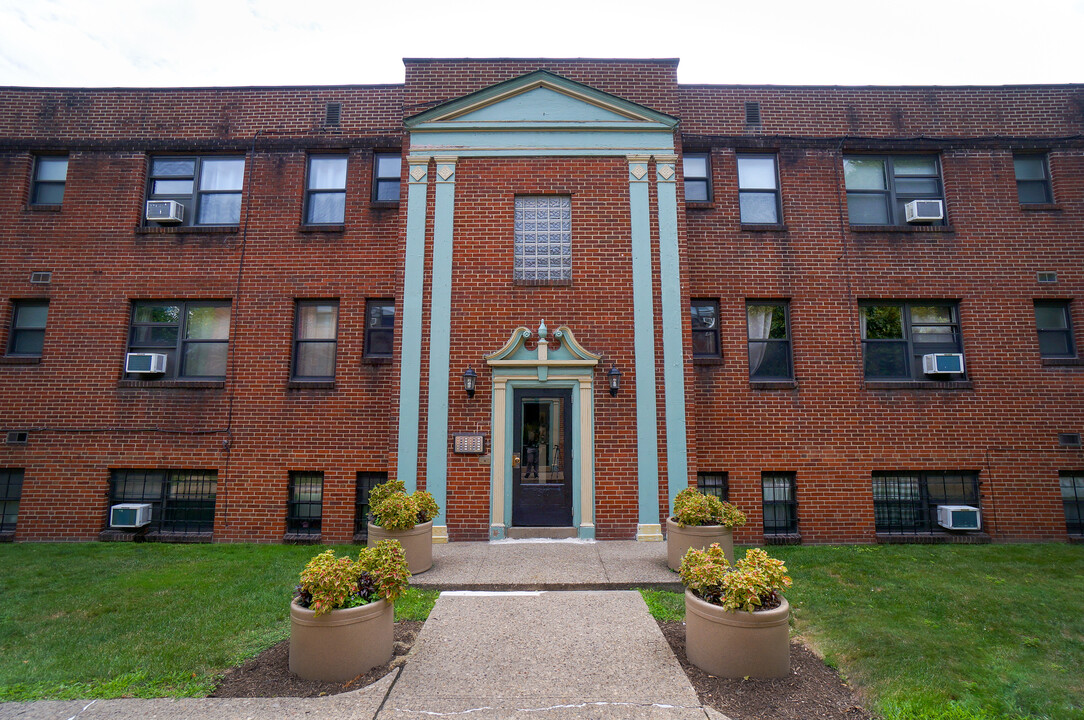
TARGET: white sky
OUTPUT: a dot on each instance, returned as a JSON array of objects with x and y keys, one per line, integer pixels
[{"x": 106, "y": 43}]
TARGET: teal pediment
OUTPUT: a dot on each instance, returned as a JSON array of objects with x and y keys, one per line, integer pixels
[{"x": 542, "y": 105}]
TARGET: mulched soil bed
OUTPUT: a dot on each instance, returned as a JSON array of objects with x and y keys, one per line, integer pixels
[
  {"x": 813, "y": 690},
  {"x": 268, "y": 674}
]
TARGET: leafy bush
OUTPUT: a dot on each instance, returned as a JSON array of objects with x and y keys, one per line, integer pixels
[
  {"x": 330, "y": 583},
  {"x": 393, "y": 509},
  {"x": 384, "y": 490},
  {"x": 692, "y": 507},
  {"x": 754, "y": 582},
  {"x": 426, "y": 504}
]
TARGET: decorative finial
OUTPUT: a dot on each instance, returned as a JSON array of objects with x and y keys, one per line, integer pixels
[{"x": 542, "y": 331}]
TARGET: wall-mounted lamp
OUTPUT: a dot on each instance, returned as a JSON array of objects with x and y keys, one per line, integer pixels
[
  {"x": 614, "y": 376},
  {"x": 469, "y": 379}
]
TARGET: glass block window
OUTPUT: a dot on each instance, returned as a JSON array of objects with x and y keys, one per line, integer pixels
[
  {"x": 906, "y": 502},
  {"x": 543, "y": 239},
  {"x": 780, "y": 503},
  {"x": 182, "y": 501},
  {"x": 305, "y": 507},
  {"x": 1072, "y": 498},
  {"x": 11, "y": 491},
  {"x": 366, "y": 482},
  {"x": 714, "y": 483}
]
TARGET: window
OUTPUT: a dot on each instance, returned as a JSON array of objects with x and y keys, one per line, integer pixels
[
  {"x": 11, "y": 491},
  {"x": 780, "y": 503},
  {"x": 906, "y": 502},
  {"x": 1032, "y": 179},
  {"x": 895, "y": 336},
  {"x": 695, "y": 168},
  {"x": 182, "y": 501},
  {"x": 305, "y": 506},
  {"x": 1055, "y": 329},
  {"x": 366, "y": 482},
  {"x": 209, "y": 188},
  {"x": 769, "y": 340},
  {"x": 50, "y": 174},
  {"x": 27, "y": 337},
  {"x": 878, "y": 188},
  {"x": 193, "y": 335},
  {"x": 315, "y": 339},
  {"x": 379, "y": 328},
  {"x": 543, "y": 240},
  {"x": 758, "y": 190},
  {"x": 325, "y": 192},
  {"x": 714, "y": 483},
  {"x": 386, "y": 169},
  {"x": 705, "y": 325},
  {"x": 1072, "y": 498}
]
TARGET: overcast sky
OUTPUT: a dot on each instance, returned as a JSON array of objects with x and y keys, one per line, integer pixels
[{"x": 107, "y": 43}]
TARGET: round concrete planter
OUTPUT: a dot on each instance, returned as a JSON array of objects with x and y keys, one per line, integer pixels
[
  {"x": 738, "y": 644},
  {"x": 342, "y": 644},
  {"x": 417, "y": 544},
  {"x": 680, "y": 539}
]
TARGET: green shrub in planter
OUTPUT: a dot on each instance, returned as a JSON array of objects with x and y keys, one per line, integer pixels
[
  {"x": 393, "y": 509},
  {"x": 694, "y": 508},
  {"x": 755, "y": 582},
  {"x": 331, "y": 583}
]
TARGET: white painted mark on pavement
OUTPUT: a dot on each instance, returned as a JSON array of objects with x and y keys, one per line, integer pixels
[{"x": 82, "y": 711}]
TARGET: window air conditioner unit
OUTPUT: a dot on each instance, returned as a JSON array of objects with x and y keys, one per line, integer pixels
[
  {"x": 922, "y": 211},
  {"x": 942, "y": 363},
  {"x": 145, "y": 363},
  {"x": 170, "y": 212},
  {"x": 959, "y": 517},
  {"x": 130, "y": 515}
]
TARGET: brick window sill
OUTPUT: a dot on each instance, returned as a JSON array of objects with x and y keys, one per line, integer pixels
[
  {"x": 377, "y": 361},
  {"x": 542, "y": 283},
  {"x": 1073, "y": 540},
  {"x": 43, "y": 208},
  {"x": 173, "y": 384},
  {"x": 1063, "y": 362},
  {"x": 301, "y": 539},
  {"x": 189, "y": 230},
  {"x": 932, "y": 538},
  {"x": 919, "y": 385},
  {"x": 699, "y": 205},
  {"x": 384, "y": 204},
  {"x": 708, "y": 361},
  {"x": 6, "y": 537},
  {"x": 318, "y": 229},
  {"x": 783, "y": 539},
  {"x": 773, "y": 385},
  {"x": 942, "y": 229},
  {"x": 311, "y": 385},
  {"x": 1040, "y": 207},
  {"x": 111, "y": 535},
  {"x": 16, "y": 360},
  {"x": 774, "y": 228}
]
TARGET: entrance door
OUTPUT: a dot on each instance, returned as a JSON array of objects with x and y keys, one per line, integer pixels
[{"x": 542, "y": 458}]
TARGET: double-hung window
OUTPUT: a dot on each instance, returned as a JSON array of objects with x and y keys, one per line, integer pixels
[
  {"x": 879, "y": 187},
  {"x": 896, "y": 335},
  {"x": 906, "y": 502},
  {"x": 1032, "y": 179},
  {"x": 542, "y": 250},
  {"x": 768, "y": 324},
  {"x": 386, "y": 170},
  {"x": 325, "y": 190},
  {"x": 50, "y": 176},
  {"x": 696, "y": 170},
  {"x": 705, "y": 329},
  {"x": 182, "y": 501},
  {"x": 315, "y": 339},
  {"x": 780, "y": 495},
  {"x": 1055, "y": 329},
  {"x": 1072, "y": 499},
  {"x": 192, "y": 334},
  {"x": 379, "y": 328},
  {"x": 11, "y": 491},
  {"x": 758, "y": 190},
  {"x": 209, "y": 188},
  {"x": 27, "y": 337},
  {"x": 305, "y": 506}
]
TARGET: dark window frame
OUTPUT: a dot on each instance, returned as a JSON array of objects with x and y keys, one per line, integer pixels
[
  {"x": 788, "y": 482},
  {"x": 311, "y": 192},
  {"x": 712, "y": 331},
  {"x": 916, "y": 513},
  {"x": 1072, "y": 503},
  {"x": 17, "y": 332},
  {"x": 697, "y": 180},
  {"x": 299, "y": 341},
  {"x": 1044, "y": 182},
  {"x": 776, "y": 192},
  {"x": 1065, "y": 332},
  {"x": 785, "y": 341},
  {"x": 193, "y": 200},
  {"x": 11, "y": 493},
  {"x": 186, "y": 512},
  {"x": 176, "y": 352},
  {"x": 366, "y": 481},
  {"x": 370, "y": 305},
  {"x": 913, "y": 364},
  {"x": 893, "y": 198},
  {"x": 385, "y": 180},
  {"x": 38, "y": 185},
  {"x": 714, "y": 483},
  {"x": 298, "y": 522}
]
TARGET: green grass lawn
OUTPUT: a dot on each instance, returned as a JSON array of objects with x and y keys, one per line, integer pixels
[
  {"x": 944, "y": 632},
  {"x": 103, "y": 620}
]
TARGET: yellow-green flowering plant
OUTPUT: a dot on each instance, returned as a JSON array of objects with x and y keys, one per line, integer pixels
[
  {"x": 694, "y": 508},
  {"x": 393, "y": 509},
  {"x": 332, "y": 583},
  {"x": 755, "y": 582}
]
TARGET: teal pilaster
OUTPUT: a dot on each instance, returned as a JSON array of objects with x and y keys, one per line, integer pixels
[
  {"x": 413, "y": 285},
  {"x": 440, "y": 330},
  {"x": 647, "y": 452},
  {"x": 673, "y": 315}
]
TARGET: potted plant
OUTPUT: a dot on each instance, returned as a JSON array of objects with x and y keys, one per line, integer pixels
[
  {"x": 406, "y": 518},
  {"x": 736, "y": 619},
  {"x": 342, "y": 619},
  {"x": 700, "y": 520}
]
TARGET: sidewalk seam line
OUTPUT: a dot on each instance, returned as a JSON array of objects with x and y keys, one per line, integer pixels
[{"x": 384, "y": 702}]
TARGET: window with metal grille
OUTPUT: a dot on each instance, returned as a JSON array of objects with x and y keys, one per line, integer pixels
[
  {"x": 209, "y": 188},
  {"x": 878, "y": 188},
  {"x": 1055, "y": 329},
  {"x": 906, "y": 502},
  {"x": 192, "y": 334},
  {"x": 366, "y": 482},
  {"x": 1072, "y": 499},
  {"x": 780, "y": 503},
  {"x": 182, "y": 501},
  {"x": 50, "y": 176},
  {"x": 1032, "y": 179},
  {"x": 543, "y": 240},
  {"x": 705, "y": 329},
  {"x": 714, "y": 483},
  {"x": 315, "y": 339},
  {"x": 11, "y": 491},
  {"x": 305, "y": 507},
  {"x": 27, "y": 337}
]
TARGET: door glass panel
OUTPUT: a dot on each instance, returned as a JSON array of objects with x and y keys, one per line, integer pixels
[{"x": 540, "y": 441}]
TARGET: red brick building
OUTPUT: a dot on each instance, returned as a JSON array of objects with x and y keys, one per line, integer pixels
[{"x": 839, "y": 307}]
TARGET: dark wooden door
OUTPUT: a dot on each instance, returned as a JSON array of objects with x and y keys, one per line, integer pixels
[{"x": 542, "y": 458}]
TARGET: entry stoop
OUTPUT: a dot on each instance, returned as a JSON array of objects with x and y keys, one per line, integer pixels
[{"x": 533, "y": 533}]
